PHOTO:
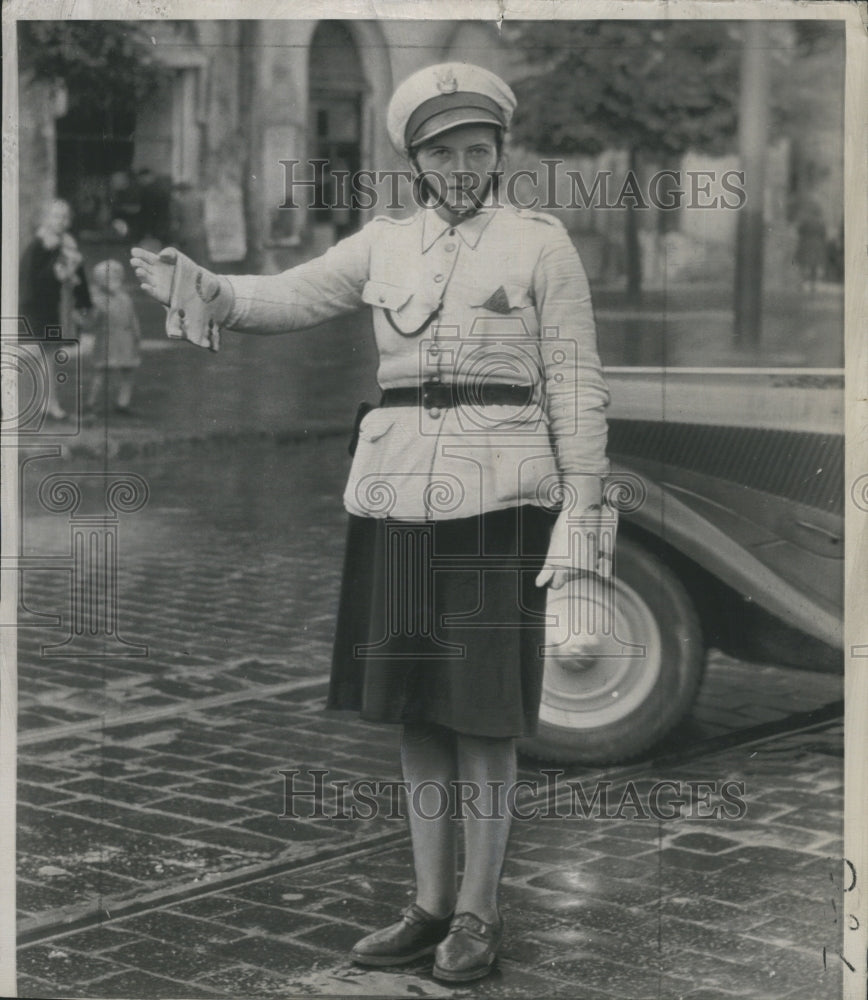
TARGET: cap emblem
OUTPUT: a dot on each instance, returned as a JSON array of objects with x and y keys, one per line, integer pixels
[{"x": 446, "y": 82}]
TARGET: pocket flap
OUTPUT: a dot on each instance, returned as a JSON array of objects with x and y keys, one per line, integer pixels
[
  {"x": 506, "y": 298},
  {"x": 385, "y": 296},
  {"x": 375, "y": 424}
]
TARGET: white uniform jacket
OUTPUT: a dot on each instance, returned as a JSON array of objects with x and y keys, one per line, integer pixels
[{"x": 500, "y": 298}]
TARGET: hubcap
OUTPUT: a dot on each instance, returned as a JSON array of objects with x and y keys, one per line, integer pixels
[{"x": 603, "y": 654}]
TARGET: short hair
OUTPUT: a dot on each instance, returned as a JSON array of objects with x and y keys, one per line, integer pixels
[
  {"x": 50, "y": 204},
  {"x": 498, "y": 139},
  {"x": 104, "y": 269}
]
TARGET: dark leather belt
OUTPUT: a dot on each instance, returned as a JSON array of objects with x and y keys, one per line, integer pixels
[{"x": 436, "y": 394}]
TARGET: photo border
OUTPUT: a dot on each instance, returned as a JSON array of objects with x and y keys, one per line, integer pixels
[{"x": 855, "y": 17}]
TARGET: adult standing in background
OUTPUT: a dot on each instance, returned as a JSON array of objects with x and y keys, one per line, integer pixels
[
  {"x": 53, "y": 286},
  {"x": 811, "y": 253}
]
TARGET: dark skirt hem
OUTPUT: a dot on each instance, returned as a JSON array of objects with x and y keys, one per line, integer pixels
[{"x": 441, "y": 622}]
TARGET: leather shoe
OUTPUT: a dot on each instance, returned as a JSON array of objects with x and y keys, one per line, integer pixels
[
  {"x": 417, "y": 933},
  {"x": 469, "y": 950}
]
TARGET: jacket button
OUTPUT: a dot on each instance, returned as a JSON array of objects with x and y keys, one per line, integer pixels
[
  {"x": 434, "y": 412},
  {"x": 449, "y": 247},
  {"x": 438, "y": 277},
  {"x": 382, "y": 298}
]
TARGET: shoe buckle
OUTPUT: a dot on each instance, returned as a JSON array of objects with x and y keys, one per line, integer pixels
[{"x": 475, "y": 925}]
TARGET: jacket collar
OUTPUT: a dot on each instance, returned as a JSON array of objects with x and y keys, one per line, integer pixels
[{"x": 470, "y": 230}]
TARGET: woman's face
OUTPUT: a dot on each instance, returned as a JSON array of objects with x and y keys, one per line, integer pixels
[
  {"x": 58, "y": 217},
  {"x": 458, "y": 165}
]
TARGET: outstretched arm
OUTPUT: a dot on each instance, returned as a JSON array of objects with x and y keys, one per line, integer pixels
[{"x": 198, "y": 301}]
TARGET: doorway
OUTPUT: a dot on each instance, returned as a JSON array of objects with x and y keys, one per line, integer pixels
[
  {"x": 337, "y": 90},
  {"x": 94, "y": 142}
]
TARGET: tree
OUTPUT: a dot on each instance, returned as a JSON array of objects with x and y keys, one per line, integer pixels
[
  {"x": 110, "y": 61},
  {"x": 85, "y": 81},
  {"x": 654, "y": 89},
  {"x": 753, "y": 151},
  {"x": 250, "y": 46}
]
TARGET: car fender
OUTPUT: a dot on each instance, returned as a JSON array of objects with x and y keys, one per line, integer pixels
[{"x": 658, "y": 511}]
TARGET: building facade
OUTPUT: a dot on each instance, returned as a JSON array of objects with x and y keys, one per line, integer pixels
[{"x": 245, "y": 107}]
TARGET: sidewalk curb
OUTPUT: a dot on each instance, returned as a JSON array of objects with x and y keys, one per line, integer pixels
[{"x": 102, "y": 447}]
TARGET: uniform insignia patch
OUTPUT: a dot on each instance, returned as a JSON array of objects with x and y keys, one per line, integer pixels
[
  {"x": 498, "y": 301},
  {"x": 446, "y": 82}
]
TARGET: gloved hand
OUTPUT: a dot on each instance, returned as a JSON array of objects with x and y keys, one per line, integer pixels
[
  {"x": 155, "y": 272},
  {"x": 198, "y": 301},
  {"x": 583, "y": 541}
]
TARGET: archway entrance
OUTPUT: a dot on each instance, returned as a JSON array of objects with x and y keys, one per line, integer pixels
[
  {"x": 94, "y": 141},
  {"x": 337, "y": 89}
]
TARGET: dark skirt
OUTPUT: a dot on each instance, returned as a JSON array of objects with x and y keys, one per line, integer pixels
[{"x": 441, "y": 622}]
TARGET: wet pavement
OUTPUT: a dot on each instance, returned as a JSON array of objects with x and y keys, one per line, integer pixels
[
  {"x": 162, "y": 852},
  {"x": 248, "y": 904},
  {"x": 159, "y": 852}
]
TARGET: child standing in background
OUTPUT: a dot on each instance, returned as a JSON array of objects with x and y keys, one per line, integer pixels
[{"x": 116, "y": 327}]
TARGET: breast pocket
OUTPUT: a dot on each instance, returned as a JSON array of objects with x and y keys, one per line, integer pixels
[
  {"x": 382, "y": 295},
  {"x": 506, "y": 298},
  {"x": 407, "y": 309}
]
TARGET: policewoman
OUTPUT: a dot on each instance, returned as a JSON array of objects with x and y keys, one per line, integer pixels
[{"x": 475, "y": 485}]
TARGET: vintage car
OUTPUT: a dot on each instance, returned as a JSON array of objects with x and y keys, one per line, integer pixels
[{"x": 730, "y": 484}]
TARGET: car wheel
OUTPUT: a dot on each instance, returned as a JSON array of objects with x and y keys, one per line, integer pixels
[{"x": 610, "y": 699}]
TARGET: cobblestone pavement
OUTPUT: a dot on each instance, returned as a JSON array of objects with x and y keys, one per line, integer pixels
[
  {"x": 223, "y": 576},
  {"x": 155, "y": 859},
  {"x": 629, "y": 907}
]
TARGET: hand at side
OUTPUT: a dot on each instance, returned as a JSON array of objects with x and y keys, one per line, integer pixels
[{"x": 582, "y": 542}]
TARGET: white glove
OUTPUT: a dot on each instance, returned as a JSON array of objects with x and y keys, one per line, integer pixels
[
  {"x": 155, "y": 272},
  {"x": 198, "y": 301},
  {"x": 583, "y": 541}
]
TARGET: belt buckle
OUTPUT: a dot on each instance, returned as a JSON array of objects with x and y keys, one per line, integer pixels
[{"x": 430, "y": 399}]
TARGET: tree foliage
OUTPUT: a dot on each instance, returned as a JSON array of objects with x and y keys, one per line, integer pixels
[
  {"x": 102, "y": 60},
  {"x": 658, "y": 88}
]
